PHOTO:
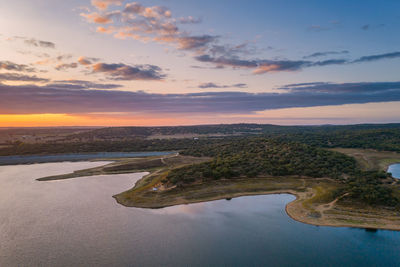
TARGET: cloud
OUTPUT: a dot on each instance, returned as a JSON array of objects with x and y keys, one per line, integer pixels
[
  {"x": 189, "y": 20},
  {"x": 329, "y": 62},
  {"x": 156, "y": 24},
  {"x": 39, "y": 43},
  {"x": 95, "y": 17},
  {"x": 66, "y": 66},
  {"x": 21, "y": 78},
  {"x": 214, "y": 85},
  {"x": 318, "y": 28},
  {"x": 81, "y": 84},
  {"x": 104, "y": 4},
  {"x": 258, "y": 66},
  {"x": 150, "y": 23},
  {"x": 261, "y": 66},
  {"x": 87, "y": 60},
  {"x": 365, "y": 27},
  {"x": 154, "y": 12},
  {"x": 33, "y": 42},
  {"x": 122, "y": 71},
  {"x": 337, "y": 88},
  {"x": 377, "y": 57},
  {"x": 327, "y": 53},
  {"x": 8, "y": 65},
  {"x": 292, "y": 85},
  {"x": 194, "y": 42},
  {"x": 45, "y": 99},
  {"x": 227, "y": 50}
]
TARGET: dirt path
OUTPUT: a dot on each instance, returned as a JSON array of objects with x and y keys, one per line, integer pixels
[{"x": 324, "y": 207}]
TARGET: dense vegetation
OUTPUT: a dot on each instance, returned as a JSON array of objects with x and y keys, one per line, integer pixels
[
  {"x": 261, "y": 156},
  {"x": 368, "y": 187},
  {"x": 379, "y": 139},
  {"x": 253, "y": 157},
  {"x": 136, "y": 145}
]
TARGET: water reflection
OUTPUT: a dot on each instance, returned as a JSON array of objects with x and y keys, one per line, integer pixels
[
  {"x": 76, "y": 222},
  {"x": 394, "y": 169}
]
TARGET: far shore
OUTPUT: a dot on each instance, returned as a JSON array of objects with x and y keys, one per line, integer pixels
[{"x": 73, "y": 157}]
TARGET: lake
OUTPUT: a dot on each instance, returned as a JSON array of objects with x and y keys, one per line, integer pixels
[
  {"x": 395, "y": 170},
  {"x": 76, "y": 222},
  {"x": 28, "y": 159}
]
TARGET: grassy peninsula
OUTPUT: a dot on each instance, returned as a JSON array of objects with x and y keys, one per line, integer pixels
[{"x": 337, "y": 173}]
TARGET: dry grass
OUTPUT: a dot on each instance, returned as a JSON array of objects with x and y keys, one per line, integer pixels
[{"x": 371, "y": 159}]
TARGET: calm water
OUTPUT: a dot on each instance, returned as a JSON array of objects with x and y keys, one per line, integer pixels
[
  {"x": 77, "y": 223},
  {"x": 9, "y": 160},
  {"x": 395, "y": 170}
]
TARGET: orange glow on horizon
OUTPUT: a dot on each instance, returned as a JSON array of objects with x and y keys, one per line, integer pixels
[
  {"x": 54, "y": 120},
  {"x": 344, "y": 114}
]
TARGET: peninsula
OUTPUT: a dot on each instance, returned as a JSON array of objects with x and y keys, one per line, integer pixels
[{"x": 334, "y": 185}]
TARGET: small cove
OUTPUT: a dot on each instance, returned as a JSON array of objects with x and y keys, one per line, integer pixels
[{"x": 394, "y": 169}]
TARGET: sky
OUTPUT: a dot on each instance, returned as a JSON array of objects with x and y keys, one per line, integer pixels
[{"x": 186, "y": 62}]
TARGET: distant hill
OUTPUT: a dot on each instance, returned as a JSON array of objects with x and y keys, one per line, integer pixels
[{"x": 123, "y": 133}]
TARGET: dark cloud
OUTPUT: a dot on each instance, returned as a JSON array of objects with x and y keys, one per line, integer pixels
[
  {"x": 214, "y": 85},
  {"x": 126, "y": 72},
  {"x": 227, "y": 50},
  {"x": 66, "y": 66},
  {"x": 365, "y": 27},
  {"x": 336, "y": 88},
  {"x": 233, "y": 62},
  {"x": 21, "y": 78},
  {"x": 195, "y": 42},
  {"x": 154, "y": 12},
  {"x": 327, "y": 53},
  {"x": 302, "y": 84},
  {"x": 329, "y": 62},
  {"x": 81, "y": 84},
  {"x": 8, "y": 65},
  {"x": 87, "y": 60},
  {"x": 36, "y": 99},
  {"x": 63, "y": 57},
  {"x": 39, "y": 43},
  {"x": 377, "y": 57},
  {"x": 259, "y": 66},
  {"x": 33, "y": 42}
]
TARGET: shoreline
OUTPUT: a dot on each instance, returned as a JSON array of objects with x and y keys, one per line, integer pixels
[
  {"x": 317, "y": 214},
  {"x": 291, "y": 209},
  {"x": 77, "y": 157},
  {"x": 314, "y": 204}
]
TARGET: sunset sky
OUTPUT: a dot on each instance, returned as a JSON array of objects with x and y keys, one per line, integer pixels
[{"x": 182, "y": 62}]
